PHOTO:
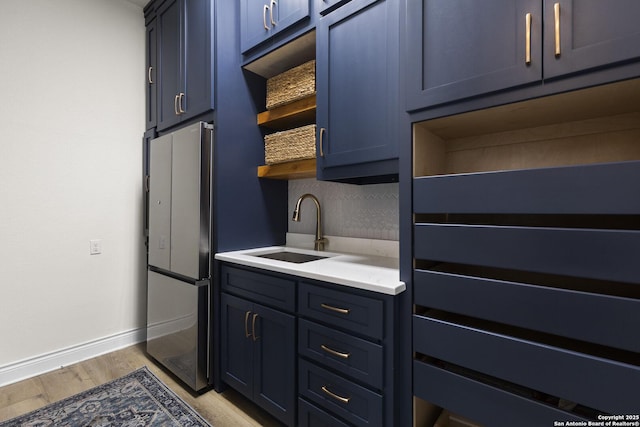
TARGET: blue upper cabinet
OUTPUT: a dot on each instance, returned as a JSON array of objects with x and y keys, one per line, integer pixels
[
  {"x": 590, "y": 34},
  {"x": 262, "y": 19},
  {"x": 152, "y": 69},
  {"x": 461, "y": 48},
  {"x": 185, "y": 74},
  {"x": 357, "y": 83}
]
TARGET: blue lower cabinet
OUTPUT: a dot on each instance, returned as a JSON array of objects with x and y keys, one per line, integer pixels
[
  {"x": 353, "y": 356},
  {"x": 258, "y": 359},
  {"x": 311, "y": 416},
  {"x": 358, "y": 405},
  {"x": 310, "y": 353}
]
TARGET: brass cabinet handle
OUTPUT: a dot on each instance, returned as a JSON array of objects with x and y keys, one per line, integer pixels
[
  {"x": 335, "y": 396},
  {"x": 246, "y": 324},
  {"x": 335, "y": 352},
  {"x": 271, "y": 5},
  {"x": 320, "y": 141},
  {"x": 253, "y": 327},
  {"x": 175, "y": 104},
  {"x": 180, "y": 103},
  {"x": 149, "y": 75},
  {"x": 556, "y": 17},
  {"x": 264, "y": 17},
  {"x": 527, "y": 46},
  {"x": 336, "y": 309}
]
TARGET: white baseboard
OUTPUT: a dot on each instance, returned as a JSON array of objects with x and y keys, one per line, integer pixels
[{"x": 50, "y": 361}]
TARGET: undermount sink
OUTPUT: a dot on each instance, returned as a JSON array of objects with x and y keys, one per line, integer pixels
[{"x": 294, "y": 257}]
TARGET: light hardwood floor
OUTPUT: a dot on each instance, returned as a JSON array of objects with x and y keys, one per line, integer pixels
[{"x": 220, "y": 409}]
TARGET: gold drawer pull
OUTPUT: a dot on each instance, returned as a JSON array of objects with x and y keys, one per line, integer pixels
[
  {"x": 527, "y": 46},
  {"x": 335, "y": 352},
  {"x": 335, "y": 396},
  {"x": 336, "y": 309},
  {"x": 556, "y": 18}
]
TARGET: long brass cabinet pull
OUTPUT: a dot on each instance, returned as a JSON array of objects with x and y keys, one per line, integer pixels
[
  {"x": 253, "y": 327},
  {"x": 271, "y": 7},
  {"x": 246, "y": 324},
  {"x": 149, "y": 75},
  {"x": 556, "y": 17},
  {"x": 335, "y": 396},
  {"x": 320, "y": 141},
  {"x": 527, "y": 46},
  {"x": 264, "y": 16},
  {"x": 335, "y": 352},
  {"x": 336, "y": 309}
]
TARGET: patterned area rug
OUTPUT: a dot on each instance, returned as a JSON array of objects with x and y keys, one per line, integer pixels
[{"x": 137, "y": 399}]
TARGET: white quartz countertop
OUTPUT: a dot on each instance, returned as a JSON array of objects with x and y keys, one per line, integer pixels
[{"x": 369, "y": 272}]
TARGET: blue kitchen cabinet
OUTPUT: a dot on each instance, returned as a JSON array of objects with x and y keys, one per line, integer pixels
[
  {"x": 151, "y": 107},
  {"x": 258, "y": 342},
  {"x": 310, "y": 353},
  {"x": 357, "y": 83},
  {"x": 185, "y": 51},
  {"x": 262, "y": 19},
  {"x": 463, "y": 49},
  {"x": 591, "y": 34}
]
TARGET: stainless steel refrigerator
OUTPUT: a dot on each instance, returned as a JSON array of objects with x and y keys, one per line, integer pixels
[{"x": 179, "y": 268}]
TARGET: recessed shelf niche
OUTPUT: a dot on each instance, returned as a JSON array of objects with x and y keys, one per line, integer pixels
[{"x": 595, "y": 125}]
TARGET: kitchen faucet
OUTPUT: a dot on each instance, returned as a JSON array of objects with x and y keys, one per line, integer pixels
[{"x": 320, "y": 241}]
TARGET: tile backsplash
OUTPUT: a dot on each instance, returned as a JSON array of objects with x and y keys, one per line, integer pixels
[{"x": 364, "y": 211}]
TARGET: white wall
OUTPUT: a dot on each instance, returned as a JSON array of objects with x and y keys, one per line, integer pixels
[{"x": 71, "y": 123}]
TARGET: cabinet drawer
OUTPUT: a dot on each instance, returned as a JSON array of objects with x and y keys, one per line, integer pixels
[
  {"x": 263, "y": 288},
  {"x": 354, "y": 403},
  {"x": 311, "y": 416},
  {"x": 556, "y": 367},
  {"x": 481, "y": 402},
  {"x": 355, "y": 313},
  {"x": 358, "y": 358},
  {"x": 602, "y": 254},
  {"x": 601, "y": 319}
]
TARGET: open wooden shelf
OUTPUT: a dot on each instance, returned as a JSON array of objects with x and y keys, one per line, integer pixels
[
  {"x": 290, "y": 170},
  {"x": 296, "y": 113}
]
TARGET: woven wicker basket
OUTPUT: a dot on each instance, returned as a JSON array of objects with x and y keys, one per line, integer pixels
[
  {"x": 293, "y": 84},
  {"x": 288, "y": 145}
]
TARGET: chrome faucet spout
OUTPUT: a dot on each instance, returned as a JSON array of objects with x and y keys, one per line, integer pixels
[{"x": 320, "y": 240}]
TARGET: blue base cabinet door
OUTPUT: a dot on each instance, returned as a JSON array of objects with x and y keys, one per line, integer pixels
[
  {"x": 259, "y": 355},
  {"x": 237, "y": 356},
  {"x": 357, "y": 84}
]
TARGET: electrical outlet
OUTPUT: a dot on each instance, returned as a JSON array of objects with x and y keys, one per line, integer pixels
[{"x": 95, "y": 246}]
